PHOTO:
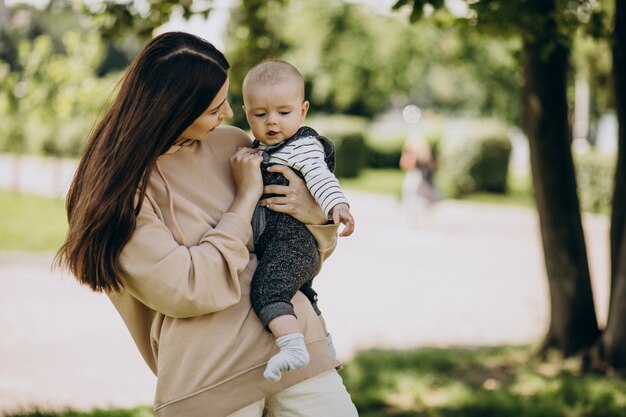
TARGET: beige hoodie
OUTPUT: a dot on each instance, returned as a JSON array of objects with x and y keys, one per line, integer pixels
[{"x": 187, "y": 270}]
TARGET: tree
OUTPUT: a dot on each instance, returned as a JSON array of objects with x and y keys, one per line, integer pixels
[
  {"x": 4, "y": 16},
  {"x": 354, "y": 60},
  {"x": 116, "y": 19},
  {"x": 545, "y": 28},
  {"x": 613, "y": 346},
  {"x": 573, "y": 325},
  {"x": 254, "y": 36},
  {"x": 50, "y": 94}
]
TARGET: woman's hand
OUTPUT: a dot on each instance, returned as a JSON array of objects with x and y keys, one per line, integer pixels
[
  {"x": 297, "y": 201},
  {"x": 245, "y": 166}
]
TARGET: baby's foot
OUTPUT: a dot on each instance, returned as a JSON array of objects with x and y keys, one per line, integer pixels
[{"x": 293, "y": 355}]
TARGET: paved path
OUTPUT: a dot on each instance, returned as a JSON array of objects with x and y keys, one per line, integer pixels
[{"x": 465, "y": 274}]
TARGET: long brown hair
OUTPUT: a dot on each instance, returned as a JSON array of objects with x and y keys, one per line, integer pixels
[{"x": 173, "y": 79}]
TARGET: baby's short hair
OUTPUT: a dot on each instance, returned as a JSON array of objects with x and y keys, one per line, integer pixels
[{"x": 272, "y": 72}]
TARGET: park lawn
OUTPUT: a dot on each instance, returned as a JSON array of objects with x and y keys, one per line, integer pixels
[
  {"x": 519, "y": 193},
  {"x": 382, "y": 181},
  {"x": 497, "y": 381},
  {"x": 503, "y": 381},
  {"x": 389, "y": 182},
  {"x": 145, "y": 411},
  {"x": 31, "y": 223}
]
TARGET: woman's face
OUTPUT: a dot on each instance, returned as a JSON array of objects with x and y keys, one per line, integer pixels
[{"x": 212, "y": 117}]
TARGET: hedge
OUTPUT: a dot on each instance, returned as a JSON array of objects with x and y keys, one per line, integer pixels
[
  {"x": 595, "y": 177},
  {"x": 350, "y": 155},
  {"x": 478, "y": 164}
]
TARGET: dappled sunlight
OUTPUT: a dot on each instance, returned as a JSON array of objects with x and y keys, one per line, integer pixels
[{"x": 447, "y": 382}]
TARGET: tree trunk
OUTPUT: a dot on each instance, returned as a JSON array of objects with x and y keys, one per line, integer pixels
[
  {"x": 4, "y": 16},
  {"x": 614, "y": 338},
  {"x": 573, "y": 324},
  {"x": 613, "y": 349}
]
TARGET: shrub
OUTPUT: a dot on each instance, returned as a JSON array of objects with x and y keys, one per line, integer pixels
[
  {"x": 382, "y": 158},
  {"x": 346, "y": 133},
  {"x": 595, "y": 176},
  {"x": 350, "y": 154},
  {"x": 383, "y": 151},
  {"x": 478, "y": 164}
]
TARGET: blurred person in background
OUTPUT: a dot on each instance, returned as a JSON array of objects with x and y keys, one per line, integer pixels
[{"x": 419, "y": 162}]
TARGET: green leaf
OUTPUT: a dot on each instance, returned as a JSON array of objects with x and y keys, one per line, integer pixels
[
  {"x": 418, "y": 11},
  {"x": 399, "y": 4},
  {"x": 437, "y": 4}
]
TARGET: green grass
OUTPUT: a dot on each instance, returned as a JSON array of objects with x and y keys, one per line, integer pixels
[
  {"x": 389, "y": 181},
  {"x": 503, "y": 381},
  {"x": 482, "y": 382},
  {"x": 519, "y": 193},
  {"x": 383, "y": 181},
  {"x": 133, "y": 412},
  {"x": 31, "y": 223}
]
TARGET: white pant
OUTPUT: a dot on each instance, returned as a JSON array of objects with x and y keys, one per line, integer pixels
[{"x": 323, "y": 395}]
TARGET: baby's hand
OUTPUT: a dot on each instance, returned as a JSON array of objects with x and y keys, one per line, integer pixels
[{"x": 341, "y": 214}]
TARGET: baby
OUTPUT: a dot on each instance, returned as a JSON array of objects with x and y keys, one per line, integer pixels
[{"x": 273, "y": 95}]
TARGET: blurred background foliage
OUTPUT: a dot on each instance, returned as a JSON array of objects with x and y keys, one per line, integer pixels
[
  {"x": 356, "y": 60},
  {"x": 363, "y": 61},
  {"x": 362, "y": 64},
  {"x": 57, "y": 77}
]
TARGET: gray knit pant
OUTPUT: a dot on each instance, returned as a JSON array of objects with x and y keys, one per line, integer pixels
[{"x": 288, "y": 260}]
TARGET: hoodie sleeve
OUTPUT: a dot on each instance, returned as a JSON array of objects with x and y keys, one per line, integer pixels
[{"x": 182, "y": 282}]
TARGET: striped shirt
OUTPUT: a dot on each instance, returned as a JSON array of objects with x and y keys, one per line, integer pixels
[{"x": 306, "y": 155}]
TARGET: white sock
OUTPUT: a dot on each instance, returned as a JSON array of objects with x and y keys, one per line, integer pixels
[
  {"x": 293, "y": 355},
  {"x": 331, "y": 347}
]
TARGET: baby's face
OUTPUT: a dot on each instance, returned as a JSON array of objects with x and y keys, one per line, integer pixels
[{"x": 275, "y": 112}]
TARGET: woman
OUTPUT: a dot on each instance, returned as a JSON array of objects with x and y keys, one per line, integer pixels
[{"x": 159, "y": 218}]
